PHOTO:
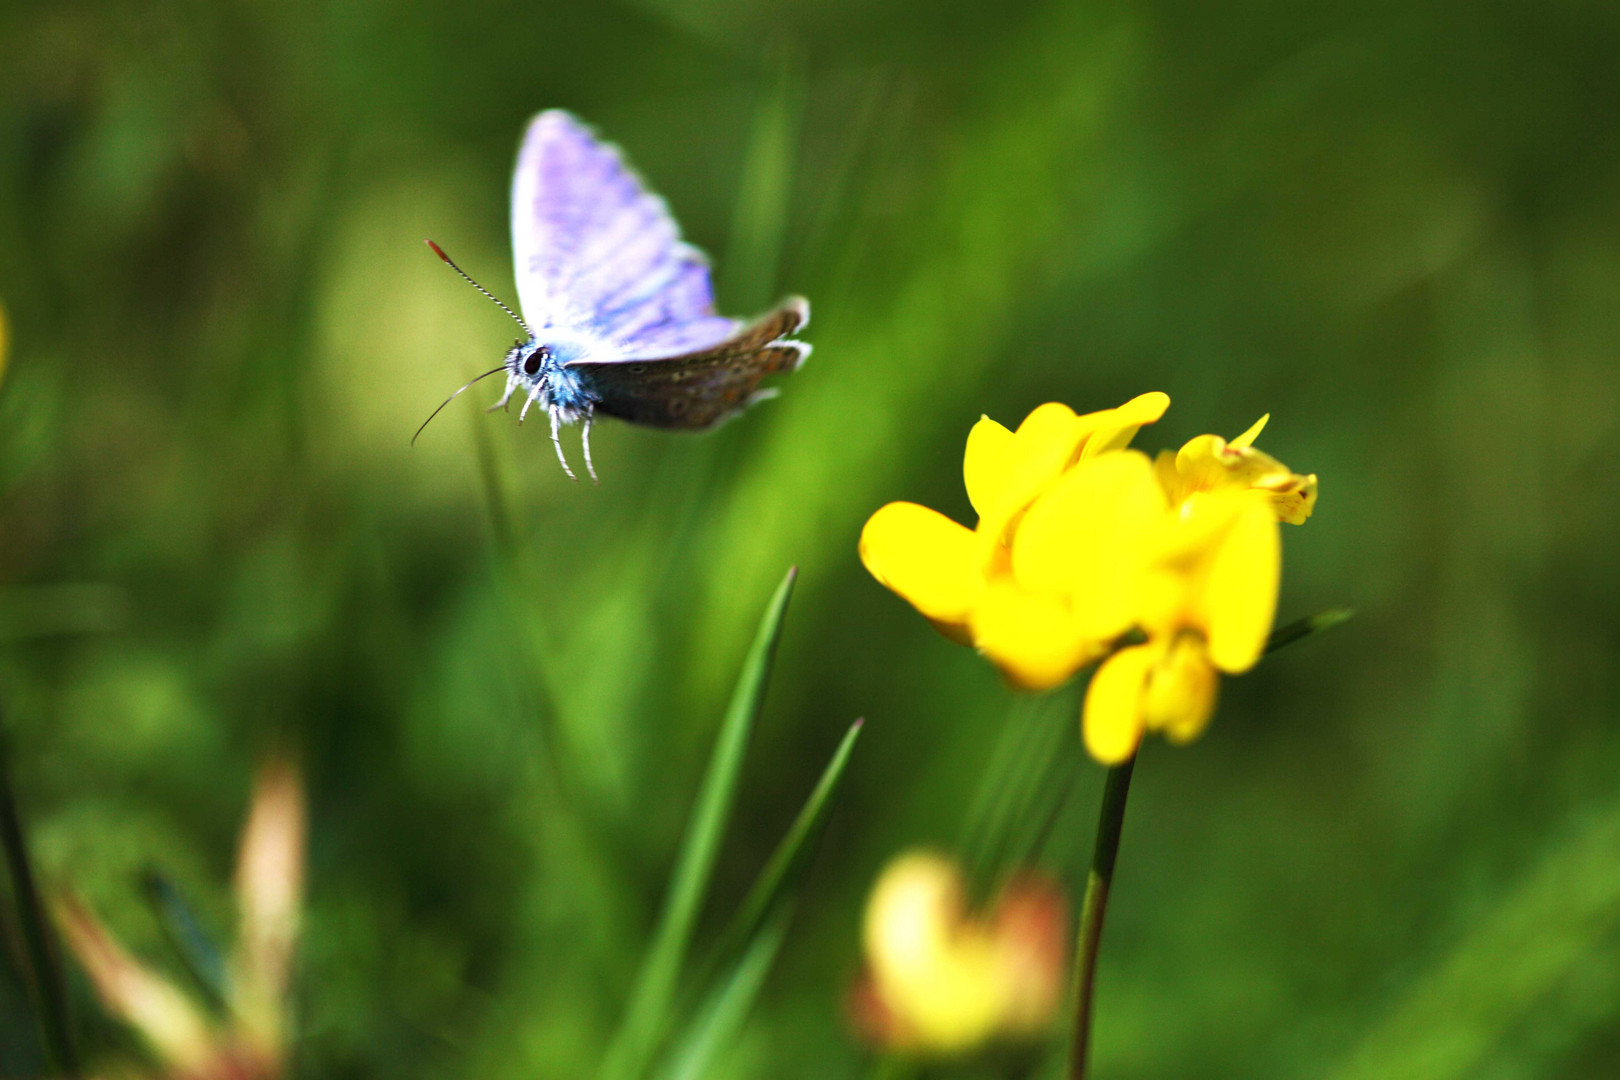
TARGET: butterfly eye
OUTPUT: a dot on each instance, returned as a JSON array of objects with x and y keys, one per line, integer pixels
[{"x": 531, "y": 366}]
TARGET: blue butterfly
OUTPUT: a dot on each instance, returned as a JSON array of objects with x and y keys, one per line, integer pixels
[{"x": 618, "y": 311}]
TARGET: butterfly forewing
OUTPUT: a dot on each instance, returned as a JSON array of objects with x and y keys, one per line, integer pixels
[{"x": 595, "y": 250}]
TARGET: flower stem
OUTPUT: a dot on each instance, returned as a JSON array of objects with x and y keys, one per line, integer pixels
[{"x": 1110, "y": 820}]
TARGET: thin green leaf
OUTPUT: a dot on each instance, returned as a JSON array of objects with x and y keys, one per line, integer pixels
[
  {"x": 1006, "y": 815},
  {"x": 647, "y": 1015},
  {"x": 791, "y": 860},
  {"x": 995, "y": 789},
  {"x": 195, "y": 947},
  {"x": 49, "y": 986},
  {"x": 536, "y": 680},
  {"x": 1300, "y": 629},
  {"x": 723, "y": 1012}
]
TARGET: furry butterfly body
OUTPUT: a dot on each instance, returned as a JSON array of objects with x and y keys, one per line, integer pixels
[{"x": 619, "y": 311}]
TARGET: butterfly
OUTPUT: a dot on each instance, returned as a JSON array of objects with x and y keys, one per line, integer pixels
[{"x": 618, "y": 311}]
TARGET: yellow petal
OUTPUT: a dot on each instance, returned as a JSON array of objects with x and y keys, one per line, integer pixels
[
  {"x": 1246, "y": 440},
  {"x": 1031, "y": 637},
  {"x": 1042, "y": 447},
  {"x": 1203, "y": 464},
  {"x": 925, "y": 557},
  {"x": 1164, "y": 471},
  {"x": 1050, "y": 439},
  {"x": 1118, "y": 427},
  {"x": 1239, "y": 595},
  {"x": 1089, "y": 536},
  {"x": 1293, "y": 497},
  {"x": 1111, "y": 721},
  {"x": 985, "y": 462},
  {"x": 1181, "y": 691},
  {"x": 1053, "y": 420},
  {"x": 1163, "y": 594},
  {"x": 1170, "y": 590}
]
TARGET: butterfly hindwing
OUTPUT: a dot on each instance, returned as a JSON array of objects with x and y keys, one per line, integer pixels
[{"x": 698, "y": 389}]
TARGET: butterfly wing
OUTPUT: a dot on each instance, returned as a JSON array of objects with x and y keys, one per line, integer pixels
[
  {"x": 700, "y": 388},
  {"x": 594, "y": 250}
]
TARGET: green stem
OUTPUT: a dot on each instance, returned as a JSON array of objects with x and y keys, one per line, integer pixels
[
  {"x": 50, "y": 990},
  {"x": 1110, "y": 820}
]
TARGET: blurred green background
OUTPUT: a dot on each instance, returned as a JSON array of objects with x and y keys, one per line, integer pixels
[{"x": 1395, "y": 227}]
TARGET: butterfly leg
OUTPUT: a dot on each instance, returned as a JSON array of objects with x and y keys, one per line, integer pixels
[
  {"x": 556, "y": 440},
  {"x": 585, "y": 441},
  {"x": 534, "y": 395},
  {"x": 511, "y": 385}
]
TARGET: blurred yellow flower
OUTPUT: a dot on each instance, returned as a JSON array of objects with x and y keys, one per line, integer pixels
[
  {"x": 941, "y": 981},
  {"x": 963, "y": 580}
]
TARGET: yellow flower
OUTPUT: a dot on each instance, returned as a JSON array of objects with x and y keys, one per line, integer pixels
[
  {"x": 939, "y": 980},
  {"x": 964, "y": 580},
  {"x": 1082, "y": 542}
]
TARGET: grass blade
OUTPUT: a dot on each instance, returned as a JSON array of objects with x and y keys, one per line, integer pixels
[
  {"x": 646, "y": 1015},
  {"x": 49, "y": 986},
  {"x": 728, "y": 1004},
  {"x": 792, "y": 857},
  {"x": 1310, "y": 625}
]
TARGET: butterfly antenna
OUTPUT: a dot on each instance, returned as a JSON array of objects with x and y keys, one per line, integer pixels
[
  {"x": 439, "y": 251},
  {"x": 457, "y": 394}
]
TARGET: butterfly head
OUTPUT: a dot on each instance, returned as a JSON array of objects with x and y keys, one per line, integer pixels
[{"x": 538, "y": 370}]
